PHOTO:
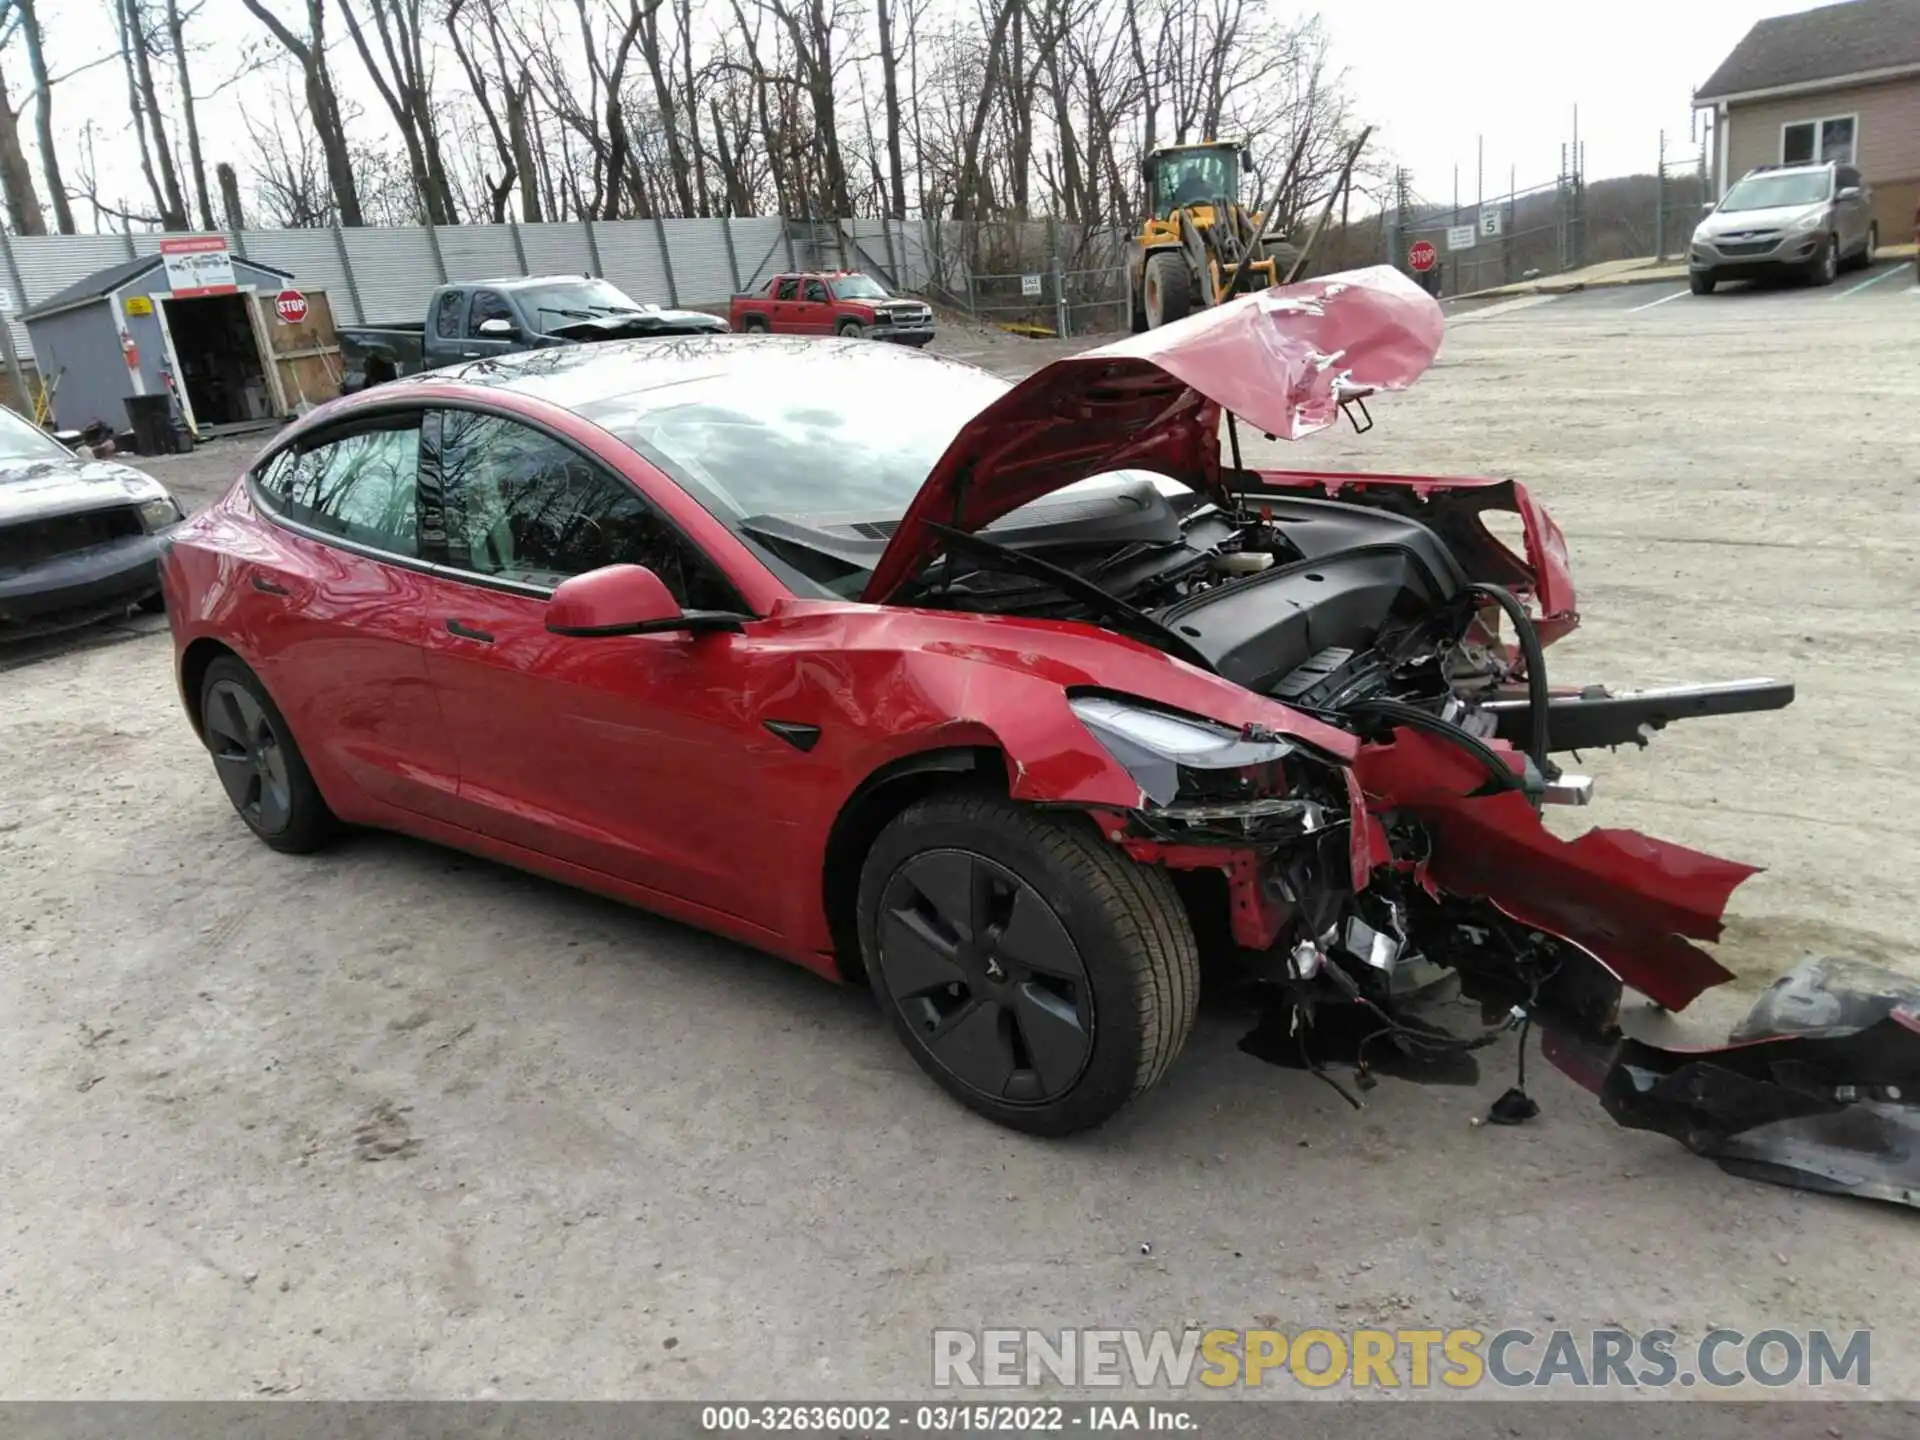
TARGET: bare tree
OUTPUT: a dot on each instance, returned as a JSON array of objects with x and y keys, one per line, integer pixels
[
  {"x": 405, "y": 83},
  {"x": 149, "y": 124},
  {"x": 35, "y": 38},
  {"x": 323, "y": 103},
  {"x": 177, "y": 36}
]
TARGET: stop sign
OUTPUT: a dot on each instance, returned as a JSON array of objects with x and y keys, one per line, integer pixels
[
  {"x": 1422, "y": 256},
  {"x": 291, "y": 306}
]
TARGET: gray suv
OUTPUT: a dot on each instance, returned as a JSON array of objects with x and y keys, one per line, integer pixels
[{"x": 1809, "y": 220}]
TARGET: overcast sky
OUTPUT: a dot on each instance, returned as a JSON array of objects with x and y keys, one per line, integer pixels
[
  {"x": 1432, "y": 75},
  {"x": 1437, "y": 75}
]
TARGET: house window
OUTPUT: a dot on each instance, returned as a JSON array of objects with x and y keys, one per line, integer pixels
[{"x": 1808, "y": 142}]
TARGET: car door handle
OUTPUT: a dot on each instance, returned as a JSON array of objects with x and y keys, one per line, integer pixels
[
  {"x": 268, "y": 587},
  {"x": 467, "y": 632}
]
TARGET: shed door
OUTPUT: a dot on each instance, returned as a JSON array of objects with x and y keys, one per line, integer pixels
[{"x": 304, "y": 358}]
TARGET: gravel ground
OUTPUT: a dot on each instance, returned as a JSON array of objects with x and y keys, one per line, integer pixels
[{"x": 395, "y": 1122}]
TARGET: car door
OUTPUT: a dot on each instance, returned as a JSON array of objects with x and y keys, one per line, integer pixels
[
  {"x": 816, "y": 308},
  {"x": 629, "y": 756},
  {"x": 484, "y": 306},
  {"x": 786, "y": 303},
  {"x": 337, "y": 599}
]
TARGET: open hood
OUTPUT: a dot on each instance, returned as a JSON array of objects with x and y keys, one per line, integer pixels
[{"x": 1282, "y": 361}]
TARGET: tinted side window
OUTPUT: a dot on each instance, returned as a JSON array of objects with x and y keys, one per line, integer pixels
[
  {"x": 488, "y": 305},
  {"x": 789, "y": 287},
  {"x": 524, "y": 507},
  {"x": 446, "y": 316},
  {"x": 361, "y": 487},
  {"x": 816, "y": 292}
]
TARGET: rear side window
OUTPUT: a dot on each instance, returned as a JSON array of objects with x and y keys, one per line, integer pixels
[
  {"x": 446, "y": 316},
  {"x": 789, "y": 287},
  {"x": 361, "y": 487}
]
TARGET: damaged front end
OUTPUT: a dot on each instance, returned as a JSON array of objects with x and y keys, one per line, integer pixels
[{"x": 1370, "y": 850}]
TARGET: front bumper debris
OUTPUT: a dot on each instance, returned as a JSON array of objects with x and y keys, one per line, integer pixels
[{"x": 1819, "y": 1088}]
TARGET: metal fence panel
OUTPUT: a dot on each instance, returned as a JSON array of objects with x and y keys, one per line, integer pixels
[
  {"x": 395, "y": 272},
  {"x": 314, "y": 259},
  {"x": 630, "y": 255},
  {"x": 760, "y": 243},
  {"x": 701, "y": 275},
  {"x": 477, "y": 252},
  {"x": 556, "y": 248}
]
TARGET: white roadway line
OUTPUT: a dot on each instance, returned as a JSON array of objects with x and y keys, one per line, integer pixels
[
  {"x": 1636, "y": 309},
  {"x": 1871, "y": 280}
]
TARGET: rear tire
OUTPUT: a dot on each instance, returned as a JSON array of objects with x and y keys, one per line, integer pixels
[
  {"x": 1037, "y": 974},
  {"x": 754, "y": 325},
  {"x": 1168, "y": 289},
  {"x": 1700, "y": 284},
  {"x": 258, "y": 763}
]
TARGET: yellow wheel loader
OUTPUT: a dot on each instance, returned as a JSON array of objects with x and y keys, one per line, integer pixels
[{"x": 1198, "y": 245}]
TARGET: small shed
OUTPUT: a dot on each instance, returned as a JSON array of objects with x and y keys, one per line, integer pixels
[{"x": 190, "y": 320}]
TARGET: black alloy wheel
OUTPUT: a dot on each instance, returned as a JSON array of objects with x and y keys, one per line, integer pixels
[
  {"x": 987, "y": 975},
  {"x": 259, "y": 765},
  {"x": 1031, "y": 968}
]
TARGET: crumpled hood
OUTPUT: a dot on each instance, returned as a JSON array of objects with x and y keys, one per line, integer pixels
[
  {"x": 31, "y": 489},
  {"x": 1281, "y": 360},
  {"x": 641, "y": 323}
]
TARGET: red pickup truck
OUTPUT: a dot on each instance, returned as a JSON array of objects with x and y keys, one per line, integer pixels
[{"x": 832, "y": 302}]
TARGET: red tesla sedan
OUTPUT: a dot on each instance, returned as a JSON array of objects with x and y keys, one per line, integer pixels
[{"x": 1010, "y": 700}]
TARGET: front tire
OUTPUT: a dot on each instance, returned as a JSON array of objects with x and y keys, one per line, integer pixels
[
  {"x": 1825, "y": 265},
  {"x": 1168, "y": 287},
  {"x": 848, "y": 329},
  {"x": 1700, "y": 284},
  {"x": 258, "y": 763},
  {"x": 1872, "y": 246},
  {"x": 1034, "y": 972}
]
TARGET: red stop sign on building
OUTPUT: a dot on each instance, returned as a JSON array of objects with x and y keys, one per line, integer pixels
[
  {"x": 1422, "y": 256},
  {"x": 291, "y": 306}
]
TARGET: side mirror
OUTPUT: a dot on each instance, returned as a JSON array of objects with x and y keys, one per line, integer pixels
[
  {"x": 626, "y": 600},
  {"x": 1849, "y": 192},
  {"x": 499, "y": 329},
  {"x": 1707, "y": 207}
]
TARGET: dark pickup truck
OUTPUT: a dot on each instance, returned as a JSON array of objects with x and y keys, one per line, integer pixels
[{"x": 495, "y": 317}]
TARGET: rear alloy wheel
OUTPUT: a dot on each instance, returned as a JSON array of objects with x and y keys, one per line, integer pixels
[
  {"x": 1700, "y": 283},
  {"x": 753, "y": 325},
  {"x": 258, "y": 763},
  {"x": 1826, "y": 263},
  {"x": 1037, "y": 974}
]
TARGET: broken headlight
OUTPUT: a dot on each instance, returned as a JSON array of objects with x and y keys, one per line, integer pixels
[
  {"x": 158, "y": 514},
  {"x": 1183, "y": 758}
]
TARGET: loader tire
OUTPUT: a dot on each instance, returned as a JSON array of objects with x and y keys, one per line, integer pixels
[{"x": 1169, "y": 289}]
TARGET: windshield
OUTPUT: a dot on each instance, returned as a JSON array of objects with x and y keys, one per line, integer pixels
[
  {"x": 1195, "y": 177},
  {"x": 1766, "y": 192},
  {"x": 20, "y": 440},
  {"x": 855, "y": 437},
  {"x": 859, "y": 287},
  {"x": 582, "y": 299}
]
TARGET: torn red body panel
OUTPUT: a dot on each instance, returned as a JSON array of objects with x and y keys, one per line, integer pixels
[{"x": 1630, "y": 901}]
